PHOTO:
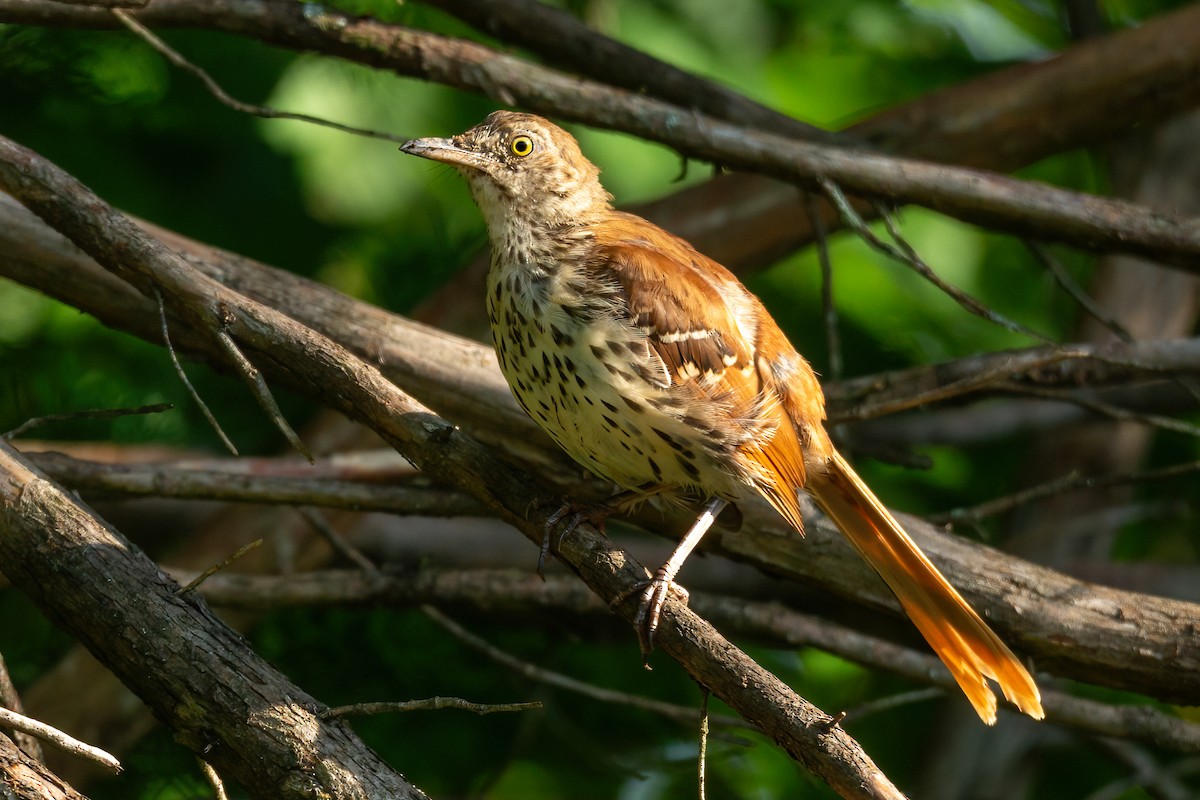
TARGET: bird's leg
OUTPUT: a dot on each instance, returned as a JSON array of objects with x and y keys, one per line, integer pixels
[
  {"x": 654, "y": 595},
  {"x": 596, "y": 514}
]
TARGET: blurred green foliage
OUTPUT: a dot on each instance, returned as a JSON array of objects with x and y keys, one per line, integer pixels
[{"x": 356, "y": 214}]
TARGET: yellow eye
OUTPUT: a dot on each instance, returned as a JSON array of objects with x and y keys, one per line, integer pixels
[{"x": 521, "y": 146}]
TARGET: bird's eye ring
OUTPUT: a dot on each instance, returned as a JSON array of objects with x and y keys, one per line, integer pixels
[{"x": 521, "y": 146}]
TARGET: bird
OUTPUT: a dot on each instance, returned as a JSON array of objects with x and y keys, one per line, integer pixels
[{"x": 652, "y": 366}]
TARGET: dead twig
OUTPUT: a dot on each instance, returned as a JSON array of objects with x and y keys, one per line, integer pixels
[
  {"x": 97, "y": 413},
  {"x": 337, "y": 541},
  {"x": 20, "y": 722},
  {"x": 1066, "y": 483},
  {"x": 681, "y": 714},
  {"x": 204, "y": 409},
  {"x": 215, "y": 568},
  {"x": 429, "y": 704},
  {"x": 223, "y": 97}
]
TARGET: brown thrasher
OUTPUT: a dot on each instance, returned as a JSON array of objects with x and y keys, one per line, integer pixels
[{"x": 652, "y": 366}]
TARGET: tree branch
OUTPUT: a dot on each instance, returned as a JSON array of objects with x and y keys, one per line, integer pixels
[
  {"x": 24, "y": 778},
  {"x": 524, "y": 596},
  {"x": 224, "y": 481},
  {"x": 219, "y": 697},
  {"x": 1024, "y": 208}
]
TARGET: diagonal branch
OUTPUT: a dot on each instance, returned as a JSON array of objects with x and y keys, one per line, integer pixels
[{"x": 220, "y": 698}]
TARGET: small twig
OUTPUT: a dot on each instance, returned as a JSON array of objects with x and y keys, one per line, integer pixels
[
  {"x": 1160, "y": 781},
  {"x": 337, "y": 541},
  {"x": 998, "y": 375},
  {"x": 904, "y": 253},
  {"x": 914, "y": 260},
  {"x": 106, "y": 3},
  {"x": 678, "y": 713},
  {"x": 216, "y": 91},
  {"x": 1085, "y": 300},
  {"x": 214, "y": 780},
  {"x": 833, "y": 339},
  {"x": 889, "y": 702},
  {"x": 20, "y": 722},
  {"x": 431, "y": 704},
  {"x": 1043, "y": 255},
  {"x": 258, "y": 386},
  {"x": 1104, "y": 409},
  {"x": 204, "y": 409},
  {"x": 215, "y": 568},
  {"x": 97, "y": 413},
  {"x": 1065, "y": 483}
]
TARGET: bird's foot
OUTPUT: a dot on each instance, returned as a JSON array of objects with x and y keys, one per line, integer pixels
[
  {"x": 654, "y": 597},
  {"x": 574, "y": 515}
]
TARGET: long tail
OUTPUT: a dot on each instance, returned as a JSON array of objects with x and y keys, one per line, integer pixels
[{"x": 957, "y": 634}]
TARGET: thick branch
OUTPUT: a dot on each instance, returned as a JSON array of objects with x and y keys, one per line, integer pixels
[
  {"x": 219, "y": 697},
  {"x": 224, "y": 481},
  {"x": 24, "y": 778}
]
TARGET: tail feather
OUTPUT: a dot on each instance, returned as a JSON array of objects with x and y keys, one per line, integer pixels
[{"x": 963, "y": 641}]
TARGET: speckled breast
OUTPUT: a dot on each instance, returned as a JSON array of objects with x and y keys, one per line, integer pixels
[{"x": 573, "y": 372}]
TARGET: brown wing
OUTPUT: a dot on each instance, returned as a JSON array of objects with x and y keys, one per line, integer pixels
[
  {"x": 670, "y": 297},
  {"x": 707, "y": 328}
]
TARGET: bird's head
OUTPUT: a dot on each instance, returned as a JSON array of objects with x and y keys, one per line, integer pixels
[{"x": 521, "y": 165}]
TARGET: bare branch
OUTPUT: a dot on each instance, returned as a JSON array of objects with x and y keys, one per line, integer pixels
[
  {"x": 12, "y": 701},
  {"x": 829, "y": 316},
  {"x": 195, "y": 582},
  {"x": 682, "y": 714},
  {"x": 1086, "y": 302},
  {"x": 1098, "y": 406},
  {"x": 1066, "y": 483},
  {"x": 525, "y": 596},
  {"x": 337, "y": 541},
  {"x": 254, "y": 380},
  {"x": 94, "y": 413},
  {"x": 903, "y": 252},
  {"x": 214, "y": 780},
  {"x": 227, "y": 703},
  {"x": 563, "y": 39},
  {"x": 204, "y": 409},
  {"x": 252, "y": 481},
  {"x": 223, "y": 97},
  {"x": 1020, "y": 207},
  {"x": 430, "y": 704},
  {"x": 20, "y": 722},
  {"x": 23, "y": 778}
]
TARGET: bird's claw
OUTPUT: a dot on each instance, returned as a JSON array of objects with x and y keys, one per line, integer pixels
[
  {"x": 575, "y": 515},
  {"x": 654, "y": 598}
]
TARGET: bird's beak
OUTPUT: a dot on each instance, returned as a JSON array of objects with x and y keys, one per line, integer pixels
[{"x": 448, "y": 152}]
